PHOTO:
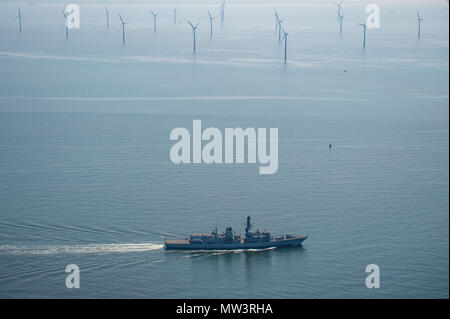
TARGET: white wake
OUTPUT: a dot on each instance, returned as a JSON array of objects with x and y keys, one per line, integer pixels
[{"x": 78, "y": 249}]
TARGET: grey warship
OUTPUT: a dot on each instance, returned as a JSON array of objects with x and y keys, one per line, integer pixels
[{"x": 230, "y": 240}]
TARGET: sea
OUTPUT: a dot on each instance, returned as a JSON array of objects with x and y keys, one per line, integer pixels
[{"x": 86, "y": 176}]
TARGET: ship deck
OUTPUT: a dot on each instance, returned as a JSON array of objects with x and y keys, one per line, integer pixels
[{"x": 187, "y": 242}]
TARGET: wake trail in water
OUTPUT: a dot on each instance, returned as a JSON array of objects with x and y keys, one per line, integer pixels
[{"x": 78, "y": 249}]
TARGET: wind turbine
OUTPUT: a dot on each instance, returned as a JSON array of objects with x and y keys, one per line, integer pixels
[
  {"x": 19, "y": 17},
  {"x": 276, "y": 19},
  {"x": 419, "y": 20},
  {"x": 65, "y": 23},
  {"x": 222, "y": 13},
  {"x": 123, "y": 29},
  {"x": 341, "y": 17},
  {"x": 154, "y": 20},
  {"x": 365, "y": 30},
  {"x": 285, "y": 35},
  {"x": 211, "y": 18},
  {"x": 339, "y": 10},
  {"x": 107, "y": 17},
  {"x": 174, "y": 15},
  {"x": 194, "y": 30}
]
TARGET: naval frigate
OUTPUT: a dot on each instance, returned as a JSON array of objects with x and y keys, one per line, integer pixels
[{"x": 230, "y": 240}]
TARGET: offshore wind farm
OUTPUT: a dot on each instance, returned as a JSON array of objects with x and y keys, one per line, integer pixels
[
  {"x": 220, "y": 8},
  {"x": 363, "y": 134}
]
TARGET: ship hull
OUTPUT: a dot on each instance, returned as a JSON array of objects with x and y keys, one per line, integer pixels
[{"x": 186, "y": 245}]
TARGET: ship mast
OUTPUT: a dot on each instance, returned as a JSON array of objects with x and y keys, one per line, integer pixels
[
  {"x": 248, "y": 226},
  {"x": 215, "y": 232}
]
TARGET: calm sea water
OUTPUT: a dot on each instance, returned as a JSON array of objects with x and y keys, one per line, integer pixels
[{"x": 86, "y": 178}]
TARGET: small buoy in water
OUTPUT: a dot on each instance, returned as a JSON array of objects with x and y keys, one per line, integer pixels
[
  {"x": 345, "y": 71},
  {"x": 329, "y": 147}
]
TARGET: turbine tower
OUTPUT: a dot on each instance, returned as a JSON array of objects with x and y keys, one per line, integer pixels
[
  {"x": 19, "y": 17},
  {"x": 222, "y": 13},
  {"x": 285, "y": 35},
  {"x": 194, "y": 30},
  {"x": 107, "y": 17},
  {"x": 123, "y": 29},
  {"x": 154, "y": 20},
  {"x": 65, "y": 23},
  {"x": 174, "y": 15},
  {"x": 419, "y": 20},
  {"x": 341, "y": 17},
  {"x": 365, "y": 30},
  {"x": 211, "y": 18}
]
